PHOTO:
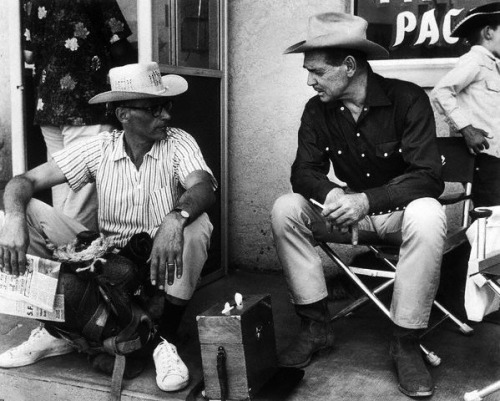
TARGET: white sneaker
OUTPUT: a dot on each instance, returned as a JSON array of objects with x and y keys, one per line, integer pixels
[
  {"x": 171, "y": 373},
  {"x": 39, "y": 345}
]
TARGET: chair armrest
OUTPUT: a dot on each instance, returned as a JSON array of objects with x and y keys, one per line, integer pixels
[{"x": 450, "y": 199}]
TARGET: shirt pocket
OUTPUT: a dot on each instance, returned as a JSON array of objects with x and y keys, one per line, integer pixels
[
  {"x": 493, "y": 85},
  {"x": 159, "y": 204},
  {"x": 387, "y": 149}
]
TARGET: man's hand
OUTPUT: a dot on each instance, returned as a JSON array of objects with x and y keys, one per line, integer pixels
[
  {"x": 344, "y": 210},
  {"x": 475, "y": 139},
  {"x": 166, "y": 255},
  {"x": 14, "y": 241}
]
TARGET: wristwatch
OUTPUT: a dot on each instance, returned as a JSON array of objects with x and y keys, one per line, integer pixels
[{"x": 182, "y": 212}]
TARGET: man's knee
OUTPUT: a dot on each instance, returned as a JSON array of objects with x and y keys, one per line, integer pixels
[
  {"x": 200, "y": 230},
  {"x": 426, "y": 217},
  {"x": 36, "y": 207},
  {"x": 286, "y": 207}
]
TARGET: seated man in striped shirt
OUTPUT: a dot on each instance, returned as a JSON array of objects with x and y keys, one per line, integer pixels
[{"x": 150, "y": 178}]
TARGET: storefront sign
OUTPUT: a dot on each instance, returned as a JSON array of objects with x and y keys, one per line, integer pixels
[{"x": 416, "y": 28}]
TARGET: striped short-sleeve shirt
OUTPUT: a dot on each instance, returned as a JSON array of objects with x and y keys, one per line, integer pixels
[{"x": 132, "y": 200}]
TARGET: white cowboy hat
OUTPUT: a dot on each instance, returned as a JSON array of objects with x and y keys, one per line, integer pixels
[
  {"x": 474, "y": 18},
  {"x": 338, "y": 30},
  {"x": 140, "y": 81}
]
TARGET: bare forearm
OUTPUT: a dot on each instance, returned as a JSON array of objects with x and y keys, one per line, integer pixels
[
  {"x": 14, "y": 233},
  {"x": 18, "y": 193}
]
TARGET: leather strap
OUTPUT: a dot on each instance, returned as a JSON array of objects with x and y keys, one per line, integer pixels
[
  {"x": 117, "y": 378},
  {"x": 94, "y": 327}
]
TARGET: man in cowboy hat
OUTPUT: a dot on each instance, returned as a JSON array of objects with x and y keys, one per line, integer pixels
[
  {"x": 150, "y": 178},
  {"x": 469, "y": 94},
  {"x": 379, "y": 135}
]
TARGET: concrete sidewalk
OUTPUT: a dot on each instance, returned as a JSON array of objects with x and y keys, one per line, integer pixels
[{"x": 359, "y": 367}]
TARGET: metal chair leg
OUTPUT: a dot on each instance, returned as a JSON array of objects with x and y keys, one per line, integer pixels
[
  {"x": 431, "y": 357},
  {"x": 361, "y": 301},
  {"x": 463, "y": 327},
  {"x": 478, "y": 395}
]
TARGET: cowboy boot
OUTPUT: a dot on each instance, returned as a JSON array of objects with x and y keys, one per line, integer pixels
[
  {"x": 413, "y": 376},
  {"x": 316, "y": 333}
]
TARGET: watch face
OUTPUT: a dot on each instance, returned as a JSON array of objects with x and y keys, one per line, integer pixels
[{"x": 184, "y": 214}]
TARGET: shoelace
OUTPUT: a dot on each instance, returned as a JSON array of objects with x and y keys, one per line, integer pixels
[
  {"x": 169, "y": 362},
  {"x": 35, "y": 334}
]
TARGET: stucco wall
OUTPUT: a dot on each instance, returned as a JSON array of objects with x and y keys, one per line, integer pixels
[{"x": 267, "y": 92}]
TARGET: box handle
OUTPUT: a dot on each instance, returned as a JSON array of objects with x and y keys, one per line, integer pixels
[{"x": 222, "y": 372}]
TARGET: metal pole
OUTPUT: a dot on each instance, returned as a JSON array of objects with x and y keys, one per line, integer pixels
[
  {"x": 18, "y": 140},
  {"x": 145, "y": 30}
]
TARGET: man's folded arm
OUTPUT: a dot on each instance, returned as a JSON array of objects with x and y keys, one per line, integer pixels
[{"x": 311, "y": 167}]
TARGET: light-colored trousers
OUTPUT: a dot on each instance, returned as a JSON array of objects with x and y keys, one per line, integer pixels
[
  {"x": 420, "y": 229},
  {"x": 47, "y": 223},
  {"x": 81, "y": 205}
]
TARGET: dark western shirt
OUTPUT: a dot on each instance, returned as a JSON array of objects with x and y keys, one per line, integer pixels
[{"x": 390, "y": 153}]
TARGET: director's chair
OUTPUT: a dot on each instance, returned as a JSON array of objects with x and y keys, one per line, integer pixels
[
  {"x": 457, "y": 170},
  {"x": 489, "y": 274}
]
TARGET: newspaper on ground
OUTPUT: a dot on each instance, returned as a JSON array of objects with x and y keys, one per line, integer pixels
[{"x": 37, "y": 286}]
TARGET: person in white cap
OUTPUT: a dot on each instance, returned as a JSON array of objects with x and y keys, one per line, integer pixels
[
  {"x": 379, "y": 135},
  {"x": 151, "y": 178},
  {"x": 469, "y": 94}
]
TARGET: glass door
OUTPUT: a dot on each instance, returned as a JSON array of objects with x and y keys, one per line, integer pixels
[{"x": 188, "y": 33}]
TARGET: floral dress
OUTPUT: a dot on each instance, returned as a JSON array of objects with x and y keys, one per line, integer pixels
[{"x": 70, "y": 41}]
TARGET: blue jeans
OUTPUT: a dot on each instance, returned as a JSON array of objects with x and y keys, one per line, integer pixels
[{"x": 420, "y": 230}]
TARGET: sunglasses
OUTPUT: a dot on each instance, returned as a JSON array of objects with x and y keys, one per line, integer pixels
[{"x": 155, "y": 111}]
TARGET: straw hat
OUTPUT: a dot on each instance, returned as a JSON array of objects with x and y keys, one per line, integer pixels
[
  {"x": 140, "y": 81},
  {"x": 475, "y": 18},
  {"x": 338, "y": 30}
]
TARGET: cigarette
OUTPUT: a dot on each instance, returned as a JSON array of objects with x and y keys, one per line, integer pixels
[{"x": 315, "y": 202}]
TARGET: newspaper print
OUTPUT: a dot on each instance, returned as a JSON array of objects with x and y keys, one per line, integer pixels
[
  {"x": 24, "y": 309},
  {"x": 37, "y": 286}
]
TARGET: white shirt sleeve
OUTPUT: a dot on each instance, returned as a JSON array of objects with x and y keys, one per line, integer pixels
[
  {"x": 188, "y": 158},
  {"x": 445, "y": 94}
]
